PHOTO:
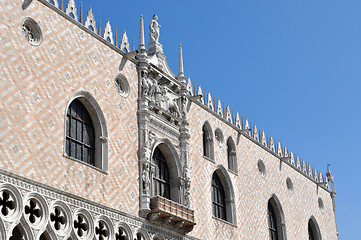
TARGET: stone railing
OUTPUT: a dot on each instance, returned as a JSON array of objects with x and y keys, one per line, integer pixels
[{"x": 168, "y": 212}]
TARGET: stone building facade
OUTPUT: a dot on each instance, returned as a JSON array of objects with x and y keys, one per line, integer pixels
[{"x": 100, "y": 141}]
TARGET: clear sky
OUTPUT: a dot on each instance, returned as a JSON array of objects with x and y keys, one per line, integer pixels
[{"x": 291, "y": 67}]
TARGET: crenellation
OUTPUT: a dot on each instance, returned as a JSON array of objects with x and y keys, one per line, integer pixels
[
  {"x": 219, "y": 108},
  {"x": 54, "y": 2},
  {"x": 286, "y": 153},
  {"x": 124, "y": 43},
  {"x": 71, "y": 9},
  {"x": 263, "y": 139},
  {"x": 309, "y": 170},
  {"x": 237, "y": 121},
  {"x": 90, "y": 21},
  {"x": 272, "y": 144},
  {"x": 200, "y": 93},
  {"x": 315, "y": 175},
  {"x": 107, "y": 33},
  {"x": 303, "y": 166},
  {"x": 189, "y": 87},
  {"x": 210, "y": 102},
  {"x": 279, "y": 149},
  {"x": 292, "y": 158},
  {"x": 246, "y": 125},
  {"x": 255, "y": 133}
]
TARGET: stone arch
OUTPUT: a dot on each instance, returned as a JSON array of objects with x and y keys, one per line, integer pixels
[
  {"x": 2, "y": 230},
  {"x": 280, "y": 217},
  {"x": 231, "y": 155},
  {"x": 47, "y": 234},
  {"x": 313, "y": 226},
  {"x": 21, "y": 228},
  {"x": 103, "y": 222},
  {"x": 64, "y": 210},
  {"x": 126, "y": 229},
  {"x": 208, "y": 142},
  {"x": 100, "y": 126},
  {"x": 141, "y": 234},
  {"x": 174, "y": 166},
  {"x": 157, "y": 236},
  {"x": 226, "y": 181}
]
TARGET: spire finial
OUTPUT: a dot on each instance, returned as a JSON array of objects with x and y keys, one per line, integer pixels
[
  {"x": 99, "y": 27},
  {"x": 116, "y": 36},
  {"x": 180, "y": 66},
  {"x": 141, "y": 33},
  {"x": 81, "y": 13}
]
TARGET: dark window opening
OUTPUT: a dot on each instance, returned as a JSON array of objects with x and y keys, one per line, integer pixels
[
  {"x": 272, "y": 222},
  {"x": 218, "y": 198},
  {"x": 161, "y": 175},
  {"x": 80, "y": 139}
]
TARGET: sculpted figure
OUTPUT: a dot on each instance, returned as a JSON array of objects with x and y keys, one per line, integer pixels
[
  {"x": 145, "y": 178},
  {"x": 168, "y": 103},
  {"x": 145, "y": 86},
  {"x": 155, "y": 92},
  {"x": 154, "y": 29}
]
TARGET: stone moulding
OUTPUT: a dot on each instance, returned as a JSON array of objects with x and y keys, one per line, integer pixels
[{"x": 23, "y": 188}]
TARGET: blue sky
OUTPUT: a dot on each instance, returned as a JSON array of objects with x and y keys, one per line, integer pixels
[{"x": 292, "y": 67}]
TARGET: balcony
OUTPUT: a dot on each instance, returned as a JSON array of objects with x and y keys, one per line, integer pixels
[{"x": 171, "y": 214}]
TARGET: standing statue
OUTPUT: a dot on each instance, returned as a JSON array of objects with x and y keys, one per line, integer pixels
[
  {"x": 145, "y": 86},
  {"x": 145, "y": 178},
  {"x": 154, "y": 29}
]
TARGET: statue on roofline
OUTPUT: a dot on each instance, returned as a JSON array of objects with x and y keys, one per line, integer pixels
[{"x": 154, "y": 29}]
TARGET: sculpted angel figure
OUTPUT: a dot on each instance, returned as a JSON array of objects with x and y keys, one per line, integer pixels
[{"x": 154, "y": 29}]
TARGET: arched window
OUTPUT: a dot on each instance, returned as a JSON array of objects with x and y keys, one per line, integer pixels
[
  {"x": 86, "y": 131},
  {"x": 218, "y": 198},
  {"x": 80, "y": 139},
  {"x": 272, "y": 222},
  {"x": 276, "y": 224},
  {"x": 223, "y": 203},
  {"x": 207, "y": 141},
  {"x": 161, "y": 186},
  {"x": 231, "y": 155},
  {"x": 313, "y": 229}
]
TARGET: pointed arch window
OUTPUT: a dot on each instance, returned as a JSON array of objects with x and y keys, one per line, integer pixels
[
  {"x": 207, "y": 137},
  {"x": 276, "y": 220},
  {"x": 161, "y": 184},
  {"x": 231, "y": 155},
  {"x": 218, "y": 198},
  {"x": 272, "y": 222},
  {"x": 80, "y": 138},
  {"x": 313, "y": 230}
]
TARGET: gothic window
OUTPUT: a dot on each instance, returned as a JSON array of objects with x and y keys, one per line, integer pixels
[
  {"x": 313, "y": 230},
  {"x": 161, "y": 186},
  {"x": 218, "y": 198},
  {"x": 231, "y": 155},
  {"x": 80, "y": 137},
  {"x": 207, "y": 141},
  {"x": 311, "y": 235},
  {"x": 272, "y": 222},
  {"x": 276, "y": 224}
]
